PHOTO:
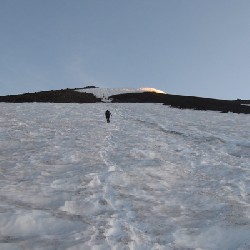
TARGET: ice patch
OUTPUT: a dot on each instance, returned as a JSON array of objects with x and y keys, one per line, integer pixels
[
  {"x": 154, "y": 178},
  {"x": 34, "y": 223},
  {"x": 216, "y": 237}
]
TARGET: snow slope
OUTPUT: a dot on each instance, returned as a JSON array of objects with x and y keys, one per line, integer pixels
[
  {"x": 154, "y": 178},
  {"x": 105, "y": 93}
]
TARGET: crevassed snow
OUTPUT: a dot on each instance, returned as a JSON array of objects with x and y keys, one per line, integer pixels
[
  {"x": 105, "y": 93},
  {"x": 154, "y": 178}
]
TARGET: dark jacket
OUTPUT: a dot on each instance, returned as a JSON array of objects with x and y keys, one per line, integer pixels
[{"x": 107, "y": 114}]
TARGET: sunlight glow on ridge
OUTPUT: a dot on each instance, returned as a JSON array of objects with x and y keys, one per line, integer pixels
[{"x": 152, "y": 90}]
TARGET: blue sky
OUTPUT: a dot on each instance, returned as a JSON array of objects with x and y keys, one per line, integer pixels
[{"x": 185, "y": 47}]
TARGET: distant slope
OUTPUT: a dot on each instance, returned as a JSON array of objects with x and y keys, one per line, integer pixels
[
  {"x": 106, "y": 93},
  {"x": 92, "y": 94},
  {"x": 54, "y": 96},
  {"x": 184, "y": 102}
]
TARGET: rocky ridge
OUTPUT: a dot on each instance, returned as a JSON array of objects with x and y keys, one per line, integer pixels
[{"x": 78, "y": 95}]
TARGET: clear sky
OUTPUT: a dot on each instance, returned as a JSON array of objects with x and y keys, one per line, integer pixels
[{"x": 185, "y": 47}]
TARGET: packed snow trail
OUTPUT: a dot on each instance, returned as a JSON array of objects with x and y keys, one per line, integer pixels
[{"x": 153, "y": 178}]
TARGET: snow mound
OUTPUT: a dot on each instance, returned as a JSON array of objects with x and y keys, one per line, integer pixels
[{"x": 105, "y": 93}]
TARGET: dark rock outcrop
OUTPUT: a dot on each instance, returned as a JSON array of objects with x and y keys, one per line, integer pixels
[
  {"x": 54, "y": 96},
  {"x": 176, "y": 101},
  {"x": 183, "y": 102}
]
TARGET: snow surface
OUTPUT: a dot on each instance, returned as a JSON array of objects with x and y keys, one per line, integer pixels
[
  {"x": 105, "y": 93},
  {"x": 154, "y": 178}
]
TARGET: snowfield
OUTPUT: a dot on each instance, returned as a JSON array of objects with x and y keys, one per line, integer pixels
[
  {"x": 154, "y": 178},
  {"x": 105, "y": 93}
]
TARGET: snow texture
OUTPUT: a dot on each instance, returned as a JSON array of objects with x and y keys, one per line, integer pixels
[
  {"x": 105, "y": 93},
  {"x": 153, "y": 178}
]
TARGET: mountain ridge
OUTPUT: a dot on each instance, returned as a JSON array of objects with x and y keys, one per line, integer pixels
[{"x": 77, "y": 95}]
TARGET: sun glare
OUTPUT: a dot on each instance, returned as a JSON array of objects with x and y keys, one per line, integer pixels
[{"x": 152, "y": 90}]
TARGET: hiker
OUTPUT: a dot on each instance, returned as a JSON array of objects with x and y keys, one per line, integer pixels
[{"x": 108, "y": 114}]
